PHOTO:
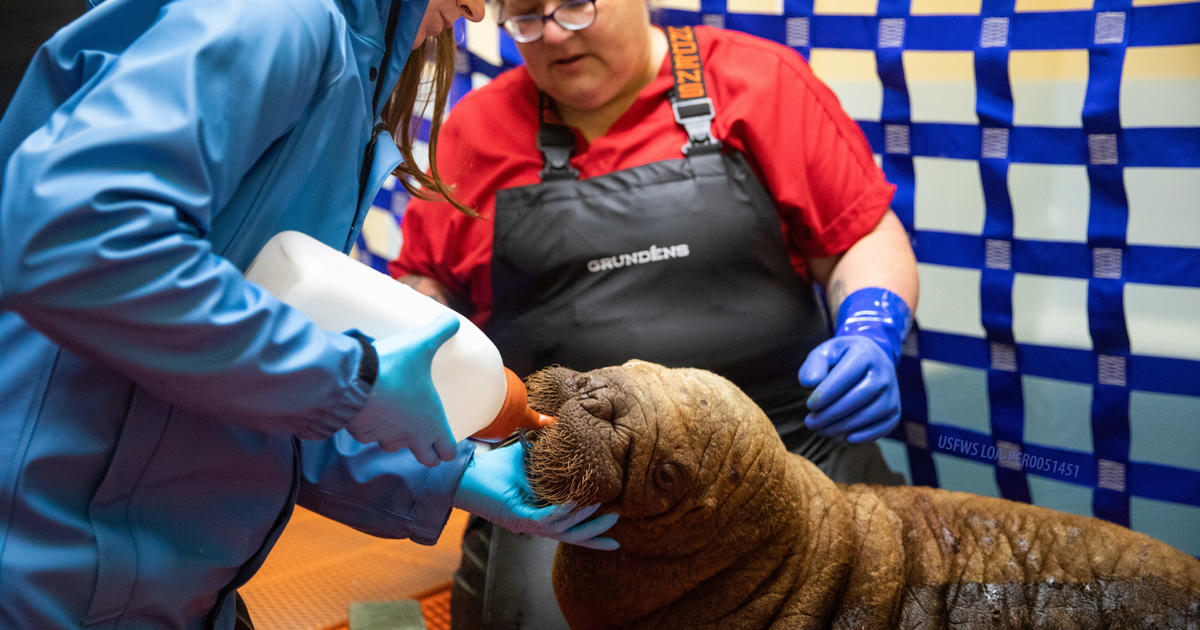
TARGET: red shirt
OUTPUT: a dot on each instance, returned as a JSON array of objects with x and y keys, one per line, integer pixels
[{"x": 809, "y": 155}]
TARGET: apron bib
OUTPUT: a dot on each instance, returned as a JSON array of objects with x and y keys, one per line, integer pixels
[{"x": 680, "y": 262}]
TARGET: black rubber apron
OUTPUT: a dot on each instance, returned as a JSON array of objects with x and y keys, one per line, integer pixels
[{"x": 681, "y": 262}]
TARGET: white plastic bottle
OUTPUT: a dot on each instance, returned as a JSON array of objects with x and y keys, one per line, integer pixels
[{"x": 482, "y": 398}]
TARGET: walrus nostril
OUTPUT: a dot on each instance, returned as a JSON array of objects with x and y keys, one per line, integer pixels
[{"x": 549, "y": 388}]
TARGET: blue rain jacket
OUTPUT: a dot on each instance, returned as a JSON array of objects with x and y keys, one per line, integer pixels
[{"x": 151, "y": 400}]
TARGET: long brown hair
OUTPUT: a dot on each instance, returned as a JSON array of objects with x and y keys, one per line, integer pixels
[{"x": 402, "y": 113}]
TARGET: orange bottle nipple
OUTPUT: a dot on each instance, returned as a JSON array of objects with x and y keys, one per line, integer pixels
[{"x": 514, "y": 413}]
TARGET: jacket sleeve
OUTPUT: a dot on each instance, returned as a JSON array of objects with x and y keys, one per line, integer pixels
[
  {"x": 384, "y": 494},
  {"x": 104, "y": 210}
]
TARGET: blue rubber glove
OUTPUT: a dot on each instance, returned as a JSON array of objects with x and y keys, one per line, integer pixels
[
  {"x": 495, "y": 488},
  {"x": 854, "y": 373},
  {"x": 404, "y": 410}
]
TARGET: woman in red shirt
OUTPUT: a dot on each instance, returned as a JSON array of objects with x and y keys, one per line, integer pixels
[{"x": 669, "y": 195}]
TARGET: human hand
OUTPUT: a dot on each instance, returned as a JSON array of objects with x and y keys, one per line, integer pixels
[
  {"x": 403, "y": 409},
  {"x": 857, "y": 393},
  {"x": 426, "y": 286},
  {"x": 495, "y": 488}
]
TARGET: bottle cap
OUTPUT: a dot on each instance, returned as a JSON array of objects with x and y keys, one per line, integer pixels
[{"x": 514, "y": 413}]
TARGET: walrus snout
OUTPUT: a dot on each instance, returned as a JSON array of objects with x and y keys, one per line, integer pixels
[
  {"x": 579, "y": 457},
  {"x": 550, "y": 387},
  {"x": 641, "y": 438}
]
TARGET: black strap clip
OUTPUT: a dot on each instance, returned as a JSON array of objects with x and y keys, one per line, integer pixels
[
  {"x": 557, "y": 143},
  {"x": 696, "y": 116}
]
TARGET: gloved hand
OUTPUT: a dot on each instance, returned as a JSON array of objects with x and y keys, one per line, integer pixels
[
  {"x": 495, "y": 488},
  {"x": 404, "y": 410},
  {"x": 857, "y": 394}
]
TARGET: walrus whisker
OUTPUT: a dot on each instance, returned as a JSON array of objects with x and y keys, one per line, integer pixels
[{"x": 559, "y": 468}]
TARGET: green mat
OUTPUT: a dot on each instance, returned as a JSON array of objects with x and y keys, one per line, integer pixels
[{"x": 397, "y": 615}]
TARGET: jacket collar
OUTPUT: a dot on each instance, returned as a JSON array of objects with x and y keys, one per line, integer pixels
[{"x": 368, "y": 19}]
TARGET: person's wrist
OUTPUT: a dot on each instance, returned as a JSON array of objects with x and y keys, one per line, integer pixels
[
  {"x": 877, "y": 314},
  {"x": 463, "y": 491},
  {"x": 368, "y": 365}
]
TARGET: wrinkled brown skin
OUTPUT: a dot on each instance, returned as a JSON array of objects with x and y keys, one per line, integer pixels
[{"x": 721, "y": 527}]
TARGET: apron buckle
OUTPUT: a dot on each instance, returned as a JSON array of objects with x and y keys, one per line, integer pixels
[
  {"x": 556, "y": 143},
  {"x": 696, "y": 116}
]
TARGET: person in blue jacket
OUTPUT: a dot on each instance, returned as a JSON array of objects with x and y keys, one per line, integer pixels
[{"x": 159, "y": 415}]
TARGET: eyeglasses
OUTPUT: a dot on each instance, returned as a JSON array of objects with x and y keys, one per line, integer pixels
[{"x": 573, "y": 15}]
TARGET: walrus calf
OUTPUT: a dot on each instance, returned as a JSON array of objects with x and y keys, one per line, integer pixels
[{"x": 721, "y": 527}]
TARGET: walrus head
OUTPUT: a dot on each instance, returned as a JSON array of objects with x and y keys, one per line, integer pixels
[
  {"x": 670, "y": 450},
  {"x": 722, "y": 528}
]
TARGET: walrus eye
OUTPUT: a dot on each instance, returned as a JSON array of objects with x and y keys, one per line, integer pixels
[{"x": 668, "y": 476}]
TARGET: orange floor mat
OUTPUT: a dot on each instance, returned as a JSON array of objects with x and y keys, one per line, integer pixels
[
  {"x": 435, "y": 607},
  {"x": 319, "y": 567}
]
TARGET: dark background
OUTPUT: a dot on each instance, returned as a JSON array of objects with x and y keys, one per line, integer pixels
[{"x": 24, "y": 25}]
